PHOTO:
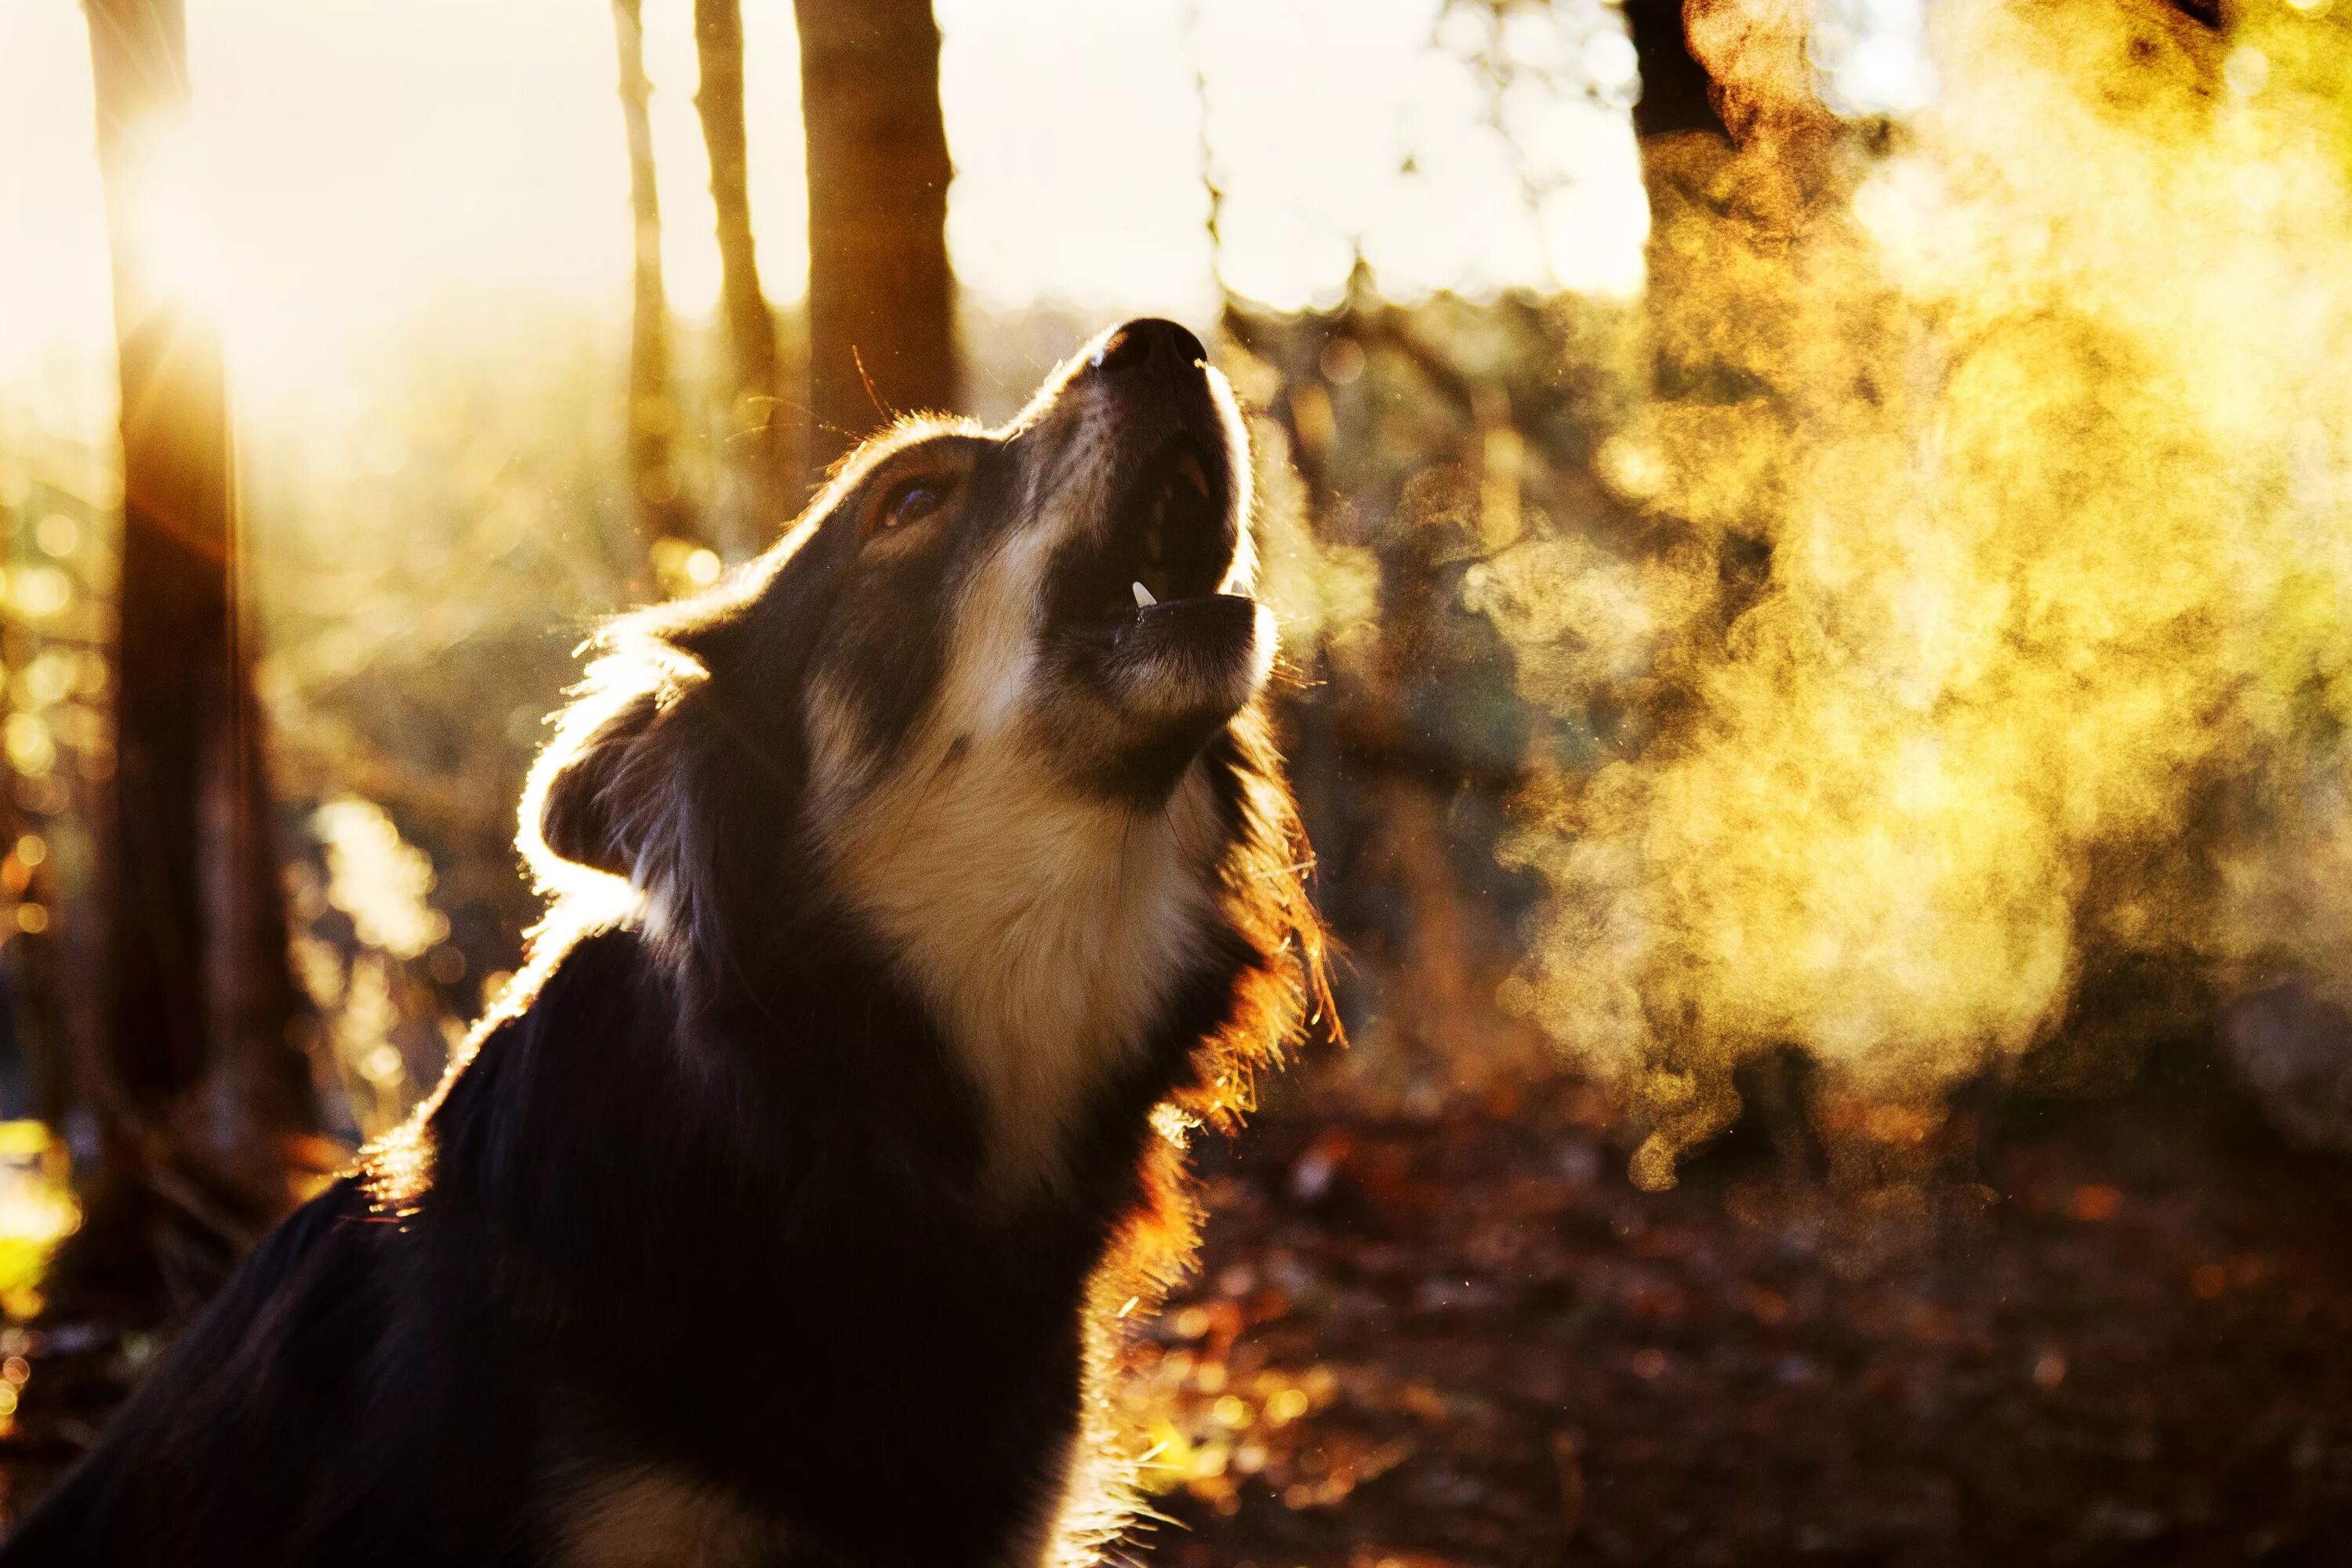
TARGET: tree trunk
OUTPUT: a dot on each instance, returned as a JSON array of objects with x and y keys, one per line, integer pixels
[
  {"x": 881, "y": 303},
  {"x": 1678, "y": 120},
  {"x": 1676, "y": 94},
  {"x": 652, "y": 414},
  {"x": 200, "y": 1096},
  {"x": 757, "y": 463}
]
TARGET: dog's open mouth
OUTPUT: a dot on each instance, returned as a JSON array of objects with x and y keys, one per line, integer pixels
[
  {"x": 1170, "y": 539},
  {"x": 1138, "y": 627}
]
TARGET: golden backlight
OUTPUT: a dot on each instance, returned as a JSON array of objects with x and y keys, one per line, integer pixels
[
  {"x": 2031, "y": 405},
  {"x": 2047, "y": 425},
  {"x": 368, "y": 171}
]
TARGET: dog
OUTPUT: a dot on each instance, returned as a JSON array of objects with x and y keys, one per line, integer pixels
[{"x": 914, "y": 893}]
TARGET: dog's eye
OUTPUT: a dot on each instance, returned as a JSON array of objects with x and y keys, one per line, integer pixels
[{"x": 910, "y": 501}]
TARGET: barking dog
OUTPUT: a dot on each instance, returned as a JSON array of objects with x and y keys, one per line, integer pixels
[{"x": 913, "y": 892}]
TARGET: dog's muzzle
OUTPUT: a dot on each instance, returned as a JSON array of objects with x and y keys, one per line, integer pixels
[
  {"x": 1137, "y": 602},
  {"x": 1175, "y": 519}
]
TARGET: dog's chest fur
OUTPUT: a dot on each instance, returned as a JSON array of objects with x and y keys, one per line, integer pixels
[
  {"x": 653, "y": 1517},
  {"x": 1045, "y": 929}
]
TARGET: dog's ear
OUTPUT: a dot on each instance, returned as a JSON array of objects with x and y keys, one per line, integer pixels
[
  {"x": 711, "y": 642},
  {"x": 585, "y": 802}
]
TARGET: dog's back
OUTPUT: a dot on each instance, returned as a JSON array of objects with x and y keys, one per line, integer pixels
[
  {"x": 318, "y": 1411},
  {"x": 272, "y": 1434}
]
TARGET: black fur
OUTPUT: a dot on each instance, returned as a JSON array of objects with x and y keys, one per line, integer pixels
[{"x": 770, "y": 1272}]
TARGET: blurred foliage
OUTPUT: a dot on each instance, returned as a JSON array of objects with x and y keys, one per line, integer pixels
[
  {"x": 1994, "y": 473},
  {"x": 36, "y": 1212}
]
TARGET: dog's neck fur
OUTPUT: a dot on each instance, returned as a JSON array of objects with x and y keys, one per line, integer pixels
[{"x": 1046, "y": 929}]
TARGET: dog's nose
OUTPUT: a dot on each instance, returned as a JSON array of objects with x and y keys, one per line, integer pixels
[{"x": 1150, "y": 342}]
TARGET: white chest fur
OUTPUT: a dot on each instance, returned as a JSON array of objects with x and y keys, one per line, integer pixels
[{"x": 1045, "y": 929}]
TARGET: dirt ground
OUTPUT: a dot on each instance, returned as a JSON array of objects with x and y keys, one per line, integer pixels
[
  {"x": 1467, "y": 1340},
  {"x": 2128, "y": 1340}
]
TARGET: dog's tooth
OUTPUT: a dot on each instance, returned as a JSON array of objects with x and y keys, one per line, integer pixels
[{"x": 1143, "y": 599}]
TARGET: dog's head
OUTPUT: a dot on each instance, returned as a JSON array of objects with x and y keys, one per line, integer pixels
[
  {"x": 996, "y": 698},
  {"x": 1076, "y": 583}
]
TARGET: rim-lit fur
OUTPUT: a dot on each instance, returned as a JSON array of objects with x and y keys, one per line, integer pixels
[
  {"x": 913, "y": 894},
  {"x": 1039, "y": 917},
  {"x": 1042, "y": 921}
]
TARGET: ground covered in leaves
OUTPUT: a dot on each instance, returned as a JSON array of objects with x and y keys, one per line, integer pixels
[{"x": 2127, "y": 1338}]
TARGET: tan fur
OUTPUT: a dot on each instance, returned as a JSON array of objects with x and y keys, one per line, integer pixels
[
  {"x": 663, "y": 1519},
  {"x": 1044, "y": 927},
  {"x": 1044, "y": 922}
]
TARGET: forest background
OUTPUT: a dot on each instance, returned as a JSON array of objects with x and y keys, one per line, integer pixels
[{"x": 1811, "y": 542}]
